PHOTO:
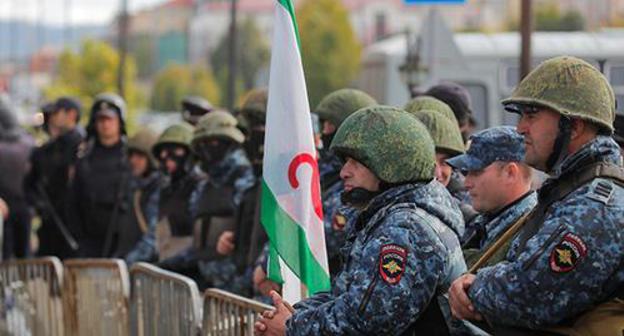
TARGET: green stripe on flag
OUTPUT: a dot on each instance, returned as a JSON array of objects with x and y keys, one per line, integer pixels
[
  {"x": 291, "y": 10},
  {"x": 291, "y": 243}
]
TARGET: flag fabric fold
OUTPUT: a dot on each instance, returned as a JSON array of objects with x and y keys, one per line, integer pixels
[{"x": 291, "y": 210}]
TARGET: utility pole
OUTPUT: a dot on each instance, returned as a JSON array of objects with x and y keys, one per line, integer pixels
[
  {"x": 231, "y": 95},
  {"x": 526, "y": 27},
  {"x": 122, "y": 44},
  {"x": 66, "y": 22}
]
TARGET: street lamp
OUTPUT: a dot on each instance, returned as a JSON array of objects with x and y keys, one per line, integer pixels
[{"x": 413, "y": 72}]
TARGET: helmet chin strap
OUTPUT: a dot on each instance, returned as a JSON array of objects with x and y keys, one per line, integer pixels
[
  {"x": 357, "y": 197},
  {"x": 560, "y": 146}
]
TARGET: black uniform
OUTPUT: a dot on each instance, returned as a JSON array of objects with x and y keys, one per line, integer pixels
[
  {"x": 15, "y": 148},
  {"x": 47, "y": 185},
  {"x": 101, "y": 198}
]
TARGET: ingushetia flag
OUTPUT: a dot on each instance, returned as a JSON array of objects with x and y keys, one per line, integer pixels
[{"x": 292, "y": 212}]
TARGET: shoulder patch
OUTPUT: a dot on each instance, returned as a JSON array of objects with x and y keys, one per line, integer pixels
[
  {"x": 339, "y": 221},
  {"x": 565, "y": 256},
  {"x": 601, "y": 191},
  {"x": 392, "y": 263}
]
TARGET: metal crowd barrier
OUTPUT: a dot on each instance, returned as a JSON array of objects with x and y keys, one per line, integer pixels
[
  {"x": 96, "y": 297},
  {"x": 163, "y": 303},
  {"x": 229, "y": 314},
  {"x": 30, "y": 297}
]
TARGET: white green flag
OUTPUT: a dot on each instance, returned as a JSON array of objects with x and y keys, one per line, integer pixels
[{"x": 292, "y": 212}]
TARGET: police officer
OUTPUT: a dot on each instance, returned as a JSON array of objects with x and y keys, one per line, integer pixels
[
  {"x": 175, "y": 209},
  {"x": 244, "y": 243},
  {"x": 567, "y": 258},
  {"x": 458, "y": 99},
  {"x": 217, "y": 142},
  {"x": 145, "y": 186},
  {"x": 402, "y": 251},
  {"x": 101, "y": 193},
  {"x": 455, "y": 184},
  {"x": 332, "y": 111},
  {"x": 499, "y": 183},
  {"x": 448, "y": 144},
  {"x": 15, "y": 148},
  {"x": 194, "y": 107},
  {"x": 47, "y": 183}
]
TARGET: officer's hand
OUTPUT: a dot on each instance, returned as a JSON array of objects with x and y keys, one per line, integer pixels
[
  {"x": 225, "y": 244},
  {"x": 460, "y": 303},
  {"x": 273, "y": 323},
  {"x": 262, "y": 284}
]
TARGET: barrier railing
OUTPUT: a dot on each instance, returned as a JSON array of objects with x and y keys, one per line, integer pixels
[
  {"x": 163, "y": 303},
  {"x": 30, "y": 297},
  {"x": 96, "y": 297},
  {"x": 229, "y": 314}
]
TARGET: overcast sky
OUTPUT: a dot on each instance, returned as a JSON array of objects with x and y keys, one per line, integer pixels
[{"x": 81, "y": 11}]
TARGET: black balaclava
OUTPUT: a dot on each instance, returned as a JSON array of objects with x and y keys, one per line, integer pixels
[
  {"x": 211, "y": 152},
  {"x": 181, "y": 161}
]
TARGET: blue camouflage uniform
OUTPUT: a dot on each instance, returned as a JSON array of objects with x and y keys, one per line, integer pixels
[
  {"x": 145, "y": 249},
  {"x": 335, "y": 214},
  {"x": 402, "y": 251},
  {"x": 235, "y": 168},
  {"x": 492, "y": 226},
  {"x": 572, "y": 262},
  {"x": 495, "y": 144}
]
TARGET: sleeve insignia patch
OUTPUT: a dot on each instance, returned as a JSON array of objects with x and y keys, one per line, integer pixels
[
  {"x": 566, "y": 255},
  {"x": 339, "y": 221},
  {"x": 392, "y": 262}
]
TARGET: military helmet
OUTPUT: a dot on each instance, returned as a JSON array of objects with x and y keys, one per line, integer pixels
[
  {"x": 142, "y": 142},
  {"x": 394, "y": 145},
  {"x": 253, "y": 109},
  {"x": 430, "y": 103},
  {"x": 444, "y": 132},
  {"x": 107, "y": 102},
  {"x": 194, "y": 107},
  {"x": 569, "y": 86},
  {"x": 218, "y": 124},
  {"x": 179, "y": 134},
  {"x": 338, "y": 105}
]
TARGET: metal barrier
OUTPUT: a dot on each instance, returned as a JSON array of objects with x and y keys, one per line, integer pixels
[
  {"x": 163, "y": 303},
  {"x": 96, "y": 297},
  {"x": 30, "y": 297},
  {"x": 229, "y": 314}
]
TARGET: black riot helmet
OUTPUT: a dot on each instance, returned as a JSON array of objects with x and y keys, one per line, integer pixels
[{"x": 107, "y": 103}]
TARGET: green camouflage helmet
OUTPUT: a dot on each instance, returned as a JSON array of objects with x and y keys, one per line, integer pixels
[
  {"x": 338, "y": 105},
  {"x": 142, "y": 142},
  {"x": 218, "y": 124},
  {"x": 253, "y": 109},
  {"x": 430, "y": 103},
  {"x": 179, "y": 134},
  {"x": 255, "y": 102},
  {"x": 395, "y": 146},
  {"x": 444, "y": 132},
  {"x": 570, "y": 86}
]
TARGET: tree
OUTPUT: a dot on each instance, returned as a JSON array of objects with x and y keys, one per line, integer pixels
[
  {"x": 548, "y": 18},
  {"x": 176, "y": 81},
  {"x": 330, "y": 50},
  {"x": 252, "y": 55},
  {"x": 91, "y": 71}
]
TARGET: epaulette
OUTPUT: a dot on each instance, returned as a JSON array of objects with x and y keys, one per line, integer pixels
[{"x": 601, "y": 190}]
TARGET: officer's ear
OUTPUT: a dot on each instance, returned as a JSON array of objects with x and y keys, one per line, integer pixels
[
  {"x": 581, "y": 129},
  {"x": 510, "y": 171}
]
